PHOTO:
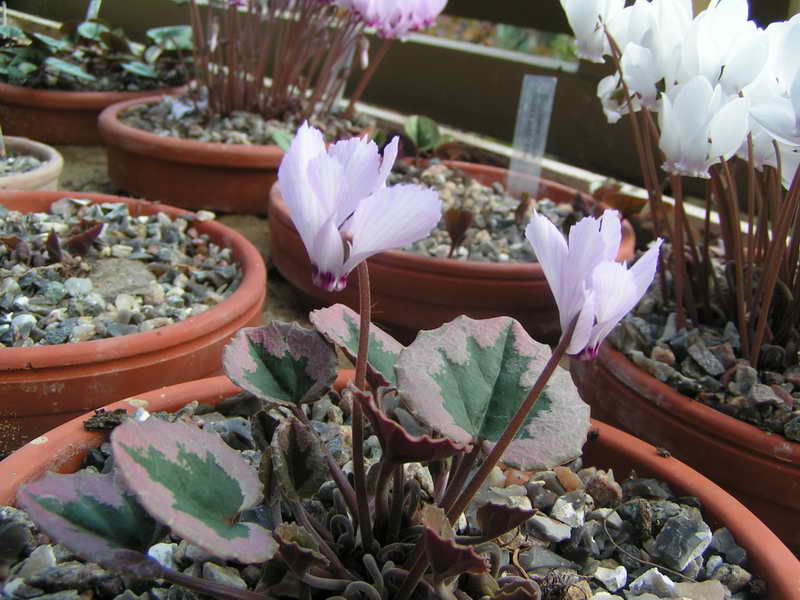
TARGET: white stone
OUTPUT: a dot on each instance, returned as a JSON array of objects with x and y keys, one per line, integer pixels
[
  {"x": 121, "y": 250},
  {"x": 653, "y": 582},
  {"x": 204, "y": 215},
  {"x": 164, "y": 554},
  {"x": 612, "y": 579},
  {"x": 78, "y": 286}
]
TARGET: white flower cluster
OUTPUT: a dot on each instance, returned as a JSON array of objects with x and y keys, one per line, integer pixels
[{"x": 713, "y": 78}]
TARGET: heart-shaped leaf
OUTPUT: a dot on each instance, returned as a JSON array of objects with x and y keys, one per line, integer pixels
[
  {"x": 447, "y": 558},
  {"x": 423, "y": 131},
  {"x": 194, "y": 483},
  {"x": 281, "y": 363},
  {"x": 340, "y": 324},
  {"x": 298, "y": 460},
  {"x": 467, "y": 378},
  {"x": 496, "y": 519},
  {"x": 298, "y": 549},
  {"x": 398, "y": 445},
  {"x": 89, "y": 513}
]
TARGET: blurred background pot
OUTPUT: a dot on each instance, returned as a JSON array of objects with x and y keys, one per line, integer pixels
[
  {"x": 60, "y": 117},
  {"x": 44, "y": 386},
  {"x": 45, "y": 177},
  {"x": 234, "y": 178}
]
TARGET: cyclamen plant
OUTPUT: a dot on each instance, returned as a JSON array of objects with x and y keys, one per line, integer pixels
[
  {"x": 293, "y": 57},
  {"x": 722, "y": 88},
  {"x": 458, "y": 399}
]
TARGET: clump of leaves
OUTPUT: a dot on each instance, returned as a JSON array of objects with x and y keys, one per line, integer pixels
[
  {"x": 424, "y": 133},
  {"x": 91, "y": 54},
  {"x": 66, "y": 249},
  {"x": 443, "y": 401}
]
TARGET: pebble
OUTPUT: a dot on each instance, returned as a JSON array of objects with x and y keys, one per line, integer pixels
[
  {"x": 116, "y": 284},
  {"x": 495, "y": 234}
]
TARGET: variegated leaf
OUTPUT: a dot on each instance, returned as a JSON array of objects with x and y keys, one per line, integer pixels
[
  {"x": 467, "y": 379},
  {"x": 281, "y": 363},
  {"x": 194, "y": 483}
]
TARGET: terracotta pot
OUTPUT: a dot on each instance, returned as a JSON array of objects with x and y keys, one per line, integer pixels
[
  {"x": 60, "y": 117},
  {"x": 412, "y": 292},
  {"x": 43, "y": 178},
  {"x": 223, "y": 177},
  {"x": 63, "y": 448},
  {"x": 44, "y": 386},
  {"x": 762, "y": 470}
]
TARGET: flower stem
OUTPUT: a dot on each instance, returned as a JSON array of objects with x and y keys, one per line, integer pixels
[
  {"x": 362, "y": 83},
  {"x": 359, "y": 474}
]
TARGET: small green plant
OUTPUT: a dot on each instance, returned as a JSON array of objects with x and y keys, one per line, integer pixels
[
  {"x": 425, "y": 134},
  {"x": 91, "y": 54}
]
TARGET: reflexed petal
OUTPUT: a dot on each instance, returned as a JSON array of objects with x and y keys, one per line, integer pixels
[
  {"x": 389, "y": 156},
  {"x": 778, "y": 118},
  {"x": 728, "y": 129},
  {"x": 640, "y": 73},
  {"x": 745, "y": 62},
  {"x": 296, "y": 190},
  {"x": 583, "y": 327},
  {"x": 392, "y": 217},
  {"x": 551, "y": 252}
]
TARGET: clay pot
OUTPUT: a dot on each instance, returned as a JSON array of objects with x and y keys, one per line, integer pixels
[
  {"x": 44, "y": 386},
  {"x": 60, "y": 117},
  {"x": 63, "y": 448},
  {"x": 223, "y": 177},
  {"x": 412, "y": 292},
  {"x": 43, "y": 178},
  {"x": 761, "y": 470}
]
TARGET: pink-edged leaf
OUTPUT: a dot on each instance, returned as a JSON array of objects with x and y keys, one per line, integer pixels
[
  {"x": 298, "y": 460},
  {"x": 89, "y": 513},
  {"x": 496, "y": 519},
  {"x": 398, "y": 445},
  {"x": 340, "y": 324},
  {"x": 281, "y": 363},
  {"x": 298, "y": 548},
  {"x": 193, "y": 482},
  {"x": 467, "y": 379},
  {"x": 447, "y": 558}
]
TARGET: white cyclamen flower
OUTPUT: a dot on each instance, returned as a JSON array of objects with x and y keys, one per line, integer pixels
[
  {"x": 698, "y": 126},
  {"x": 587, "y": 19},
  {"x": 586, "y": 281},
  {"x": 341, "y": 208}
]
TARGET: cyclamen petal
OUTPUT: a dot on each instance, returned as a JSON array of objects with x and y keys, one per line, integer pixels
[
  {"x": 341, "y": 208},
  {"x": 396, "y": 18},
  {"x": 589, "y": 287}
]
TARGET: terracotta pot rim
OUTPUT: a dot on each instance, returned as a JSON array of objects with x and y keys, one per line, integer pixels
[
  {"x": 73, "y": 100},
  {"x": 772, "y": 560},
  {"x": 696, "y": 414},
  {"x": 451, "y": 267},
  {"x": 234, "y": 156},
  {"x": 53, "y": 161},
  {"x": 250, "y": 291}
]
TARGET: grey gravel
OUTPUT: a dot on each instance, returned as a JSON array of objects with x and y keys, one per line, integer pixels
[
  {"x": 171, "y": 272},
  {"x": 496, "y": 235}
]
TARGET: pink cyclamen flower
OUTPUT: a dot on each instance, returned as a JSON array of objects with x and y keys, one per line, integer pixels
[
  {"x": 585, "y": 279},
  {"x": 396, "y": 18},
  {"x": 342, "y": 209}
]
